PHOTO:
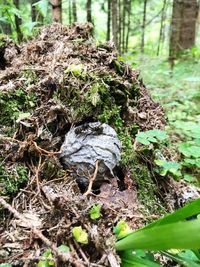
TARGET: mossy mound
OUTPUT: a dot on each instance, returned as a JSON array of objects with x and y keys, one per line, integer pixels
[{"x": 55, "y": 81}]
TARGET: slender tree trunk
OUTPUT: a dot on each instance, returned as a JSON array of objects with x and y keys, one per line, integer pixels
[
  {"x": 70, "y": 11},
  {"x": 18, "y": 22},
  {"x": 128, "y": 24},
  {"x": 124, "y": 13},
  {"x": 57, "y": 10},
  {"x": 115, "y": 27},
  {"x": 120, "y": 25},
  {"x": 89, "y": 10},
  {"x": 161, "y": 26},
  {"x": 74, "y": 10},
  {"x": 183, "y": 27},
  {"x": 143, "y": 26},
  {"x": 108, "y": 20}
]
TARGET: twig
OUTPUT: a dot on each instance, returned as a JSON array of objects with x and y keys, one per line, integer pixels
[
  {"x": 65, "y": 257},
  {"x": 43, "y": 151},
  {"x": 92, "y": 179}
]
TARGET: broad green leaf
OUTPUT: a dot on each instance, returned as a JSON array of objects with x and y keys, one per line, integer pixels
[
  {"x": 189, "y": 210},
  {"x": 80, "y": 235},
  {"x": 5, "y": 265},
  {"x": 129, "y": 259},
  {"x": 95, "y": 211},
  {"x": 180, "y": 235}
]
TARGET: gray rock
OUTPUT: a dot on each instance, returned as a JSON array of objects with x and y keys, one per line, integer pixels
[{"x": 87, "y": 143}]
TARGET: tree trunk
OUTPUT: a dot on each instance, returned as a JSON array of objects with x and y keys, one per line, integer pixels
[
  {"x": 70, "y": 11},
  {"x": 89, "y": 10},
  {"x": 161, "y": 26},
  {"x": 143, "y": 26},
  {"x": 18, "y": 22},
  {"x": 108, "y": 20},
  {"x": 183, "y": 26},
  {"x": 115, "y": 22},
  {"x": 74, "y": 10},
  {"x": 128, "y": 24},
  {"x": 57, "y": 10}
]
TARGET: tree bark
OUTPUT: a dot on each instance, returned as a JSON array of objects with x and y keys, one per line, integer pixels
[
  {"x": 183, "y": 26},
  {"x": 161, "y": 26},
  {"x": 89, "y": 10},
  {"x": 108, "y": 20},
  {"x": 74, "y": 10},
  {"x": 128, "y": 24},
  {"x": 56, "y": 10},
  {"x": 115, "y": 27},
  {"x": 70, "y": 11},
  {"x": 18, "y": 22},
  {"x": 143, "y": 26}
]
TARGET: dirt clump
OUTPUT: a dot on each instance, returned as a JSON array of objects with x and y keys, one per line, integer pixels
[{"x": 59, "y": 80}]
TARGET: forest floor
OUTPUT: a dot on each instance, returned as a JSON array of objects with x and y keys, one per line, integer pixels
[{"x": 53, "y": 83}]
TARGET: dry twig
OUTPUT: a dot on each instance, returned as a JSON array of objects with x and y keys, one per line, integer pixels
[{"x": 92, "y": 179}]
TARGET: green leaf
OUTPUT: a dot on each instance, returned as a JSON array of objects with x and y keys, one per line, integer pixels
[
  {"x": 75, "y": 69},
  {"x": 42, "y": 7},
  {"x": 5, "y": 265},
  {"x": 46, "y": 263},
  {"x": 151, "y": 136},
  {"x": 63, "y": 248},
  {"x": 95, "y": 212},
  {"x": 122, "y": 229},
  {"x": 189, "y": 150},
  {"x": 129, "y": 259},
  {"x": 80, "y": 235},
  {"x": 23, "y": 116},
  {"x": 168, "y": 166},
  {"x": 180, "y": 235}
]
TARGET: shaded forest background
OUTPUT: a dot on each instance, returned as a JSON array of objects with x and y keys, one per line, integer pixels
[{"x": 153, "y": 27}]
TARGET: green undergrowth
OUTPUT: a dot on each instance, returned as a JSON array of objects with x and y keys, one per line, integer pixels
[
  {"x": 12, "y": 179},
  {"x": 178, "y": 91},
  {"x": 15, "y": 105}
]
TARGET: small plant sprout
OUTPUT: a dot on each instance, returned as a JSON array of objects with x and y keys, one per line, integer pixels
[
  {"x": 122, "y": 229},
  {"x": 47, "y": 262},
  {"x": 95, "y": 212},
  {"x": 80, "y": 235}
]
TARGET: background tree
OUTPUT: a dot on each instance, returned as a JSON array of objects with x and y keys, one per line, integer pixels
[
  {"x": 108, "y": 20},
  {"x": 18, "y": 22},
  {"x": 56, "y": 10},
  {"x": 74, "y": 10},
  {"x": 89, "y": 10},
  {"x": 143, "y": 25},
  {"x": 115, "y": 27},
  {"x": 183, "y": 26}
]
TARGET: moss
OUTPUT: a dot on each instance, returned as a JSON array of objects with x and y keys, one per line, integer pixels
[
  {"x": 14, "y": 103},
  {"x": 146, "y": 187},
  {"x": 12, "y": 179}
]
